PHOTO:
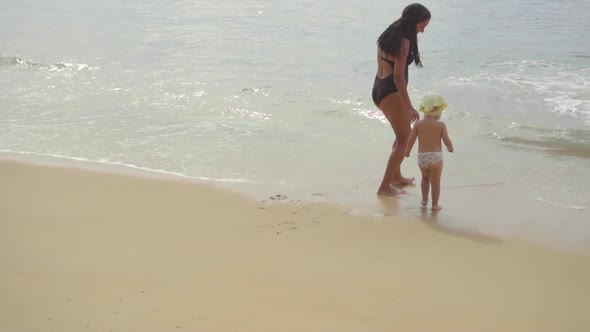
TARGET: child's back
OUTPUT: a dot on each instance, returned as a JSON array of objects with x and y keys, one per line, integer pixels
[{"x": 430, "y": 132}]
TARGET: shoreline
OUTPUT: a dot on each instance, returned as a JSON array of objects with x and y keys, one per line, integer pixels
[
  {"x": 103, "y": 251},
  {"x": 462, "y": 212}
]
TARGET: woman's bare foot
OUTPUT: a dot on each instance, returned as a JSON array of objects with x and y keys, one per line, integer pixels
[
  {"x": 424, "y": 202},
  {"x": 391, "y": 191},
  {"x": 402, "y": 181},
  {"x": 436, "y": 207}
]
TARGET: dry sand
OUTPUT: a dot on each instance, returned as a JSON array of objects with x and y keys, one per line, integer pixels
[{"x": 95, "y": 251}]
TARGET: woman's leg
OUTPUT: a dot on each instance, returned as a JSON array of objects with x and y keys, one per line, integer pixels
[
  {"x": 400, "y": 122},
  {"x": 386, "y": 188}
]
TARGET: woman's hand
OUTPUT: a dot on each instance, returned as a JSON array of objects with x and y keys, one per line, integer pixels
[{"x": 414, "y": 115}]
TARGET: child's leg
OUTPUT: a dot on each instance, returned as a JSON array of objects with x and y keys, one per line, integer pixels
[
  {"x": 435, "y": 175},
  {"x": 425, "y": 185}
]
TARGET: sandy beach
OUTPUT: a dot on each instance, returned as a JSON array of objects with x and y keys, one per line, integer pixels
[{"x": 85, "y": 250}]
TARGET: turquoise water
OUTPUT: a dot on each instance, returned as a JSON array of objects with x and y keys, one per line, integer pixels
[{"x": 270, "y": 97}]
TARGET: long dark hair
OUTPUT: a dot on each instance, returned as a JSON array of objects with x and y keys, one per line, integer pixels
[{"x": 390, "y": 40}]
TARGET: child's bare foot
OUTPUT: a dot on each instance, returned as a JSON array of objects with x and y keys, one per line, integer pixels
[
  {"x": 390, "y": 191},
  {"x": 424, "y": 203},
  {"x": 436, "y": 207},
  {"x": 402, "y": 181}
]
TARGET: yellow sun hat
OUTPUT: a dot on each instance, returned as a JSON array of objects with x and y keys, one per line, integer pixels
[{"x": 433, "y": 104}]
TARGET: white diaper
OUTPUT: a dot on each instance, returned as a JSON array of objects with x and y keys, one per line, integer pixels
[{"x": 425, "y": 159}]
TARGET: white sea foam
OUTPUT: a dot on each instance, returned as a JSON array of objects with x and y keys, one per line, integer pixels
[
  {"x": 563, "y": 89},
  {"x": 50, "y": 158}
]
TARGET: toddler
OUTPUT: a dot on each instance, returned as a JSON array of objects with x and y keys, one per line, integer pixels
[{"x": 430, "y": 131}]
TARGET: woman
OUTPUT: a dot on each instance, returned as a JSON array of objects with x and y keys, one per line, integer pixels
[{"x": 397, "y": 49}]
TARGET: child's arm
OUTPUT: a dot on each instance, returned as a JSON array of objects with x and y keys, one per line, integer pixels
[
  {"x": 412, "y": 140},
  {"x": 446, "y": 139}
]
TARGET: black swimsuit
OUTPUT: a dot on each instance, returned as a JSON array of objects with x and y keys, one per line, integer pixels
[{"x": 383, "y": 87}]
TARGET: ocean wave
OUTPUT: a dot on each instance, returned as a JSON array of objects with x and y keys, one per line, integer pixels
[
  {"x": 552, "y": 146},
  {"x": 371, "y": 114},
  {"x": 561, "y": 88},
  {"x": 557, "y": 142},
  {"x": 562, "y": 197},
  {"x": 18, "y": 62},
  {"x": 52, "y": 159}
]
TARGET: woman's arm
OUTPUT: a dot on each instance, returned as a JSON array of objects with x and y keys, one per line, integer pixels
[
  {"x": 412, "y": 140},
  {"x": 399, "y": 77}
]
